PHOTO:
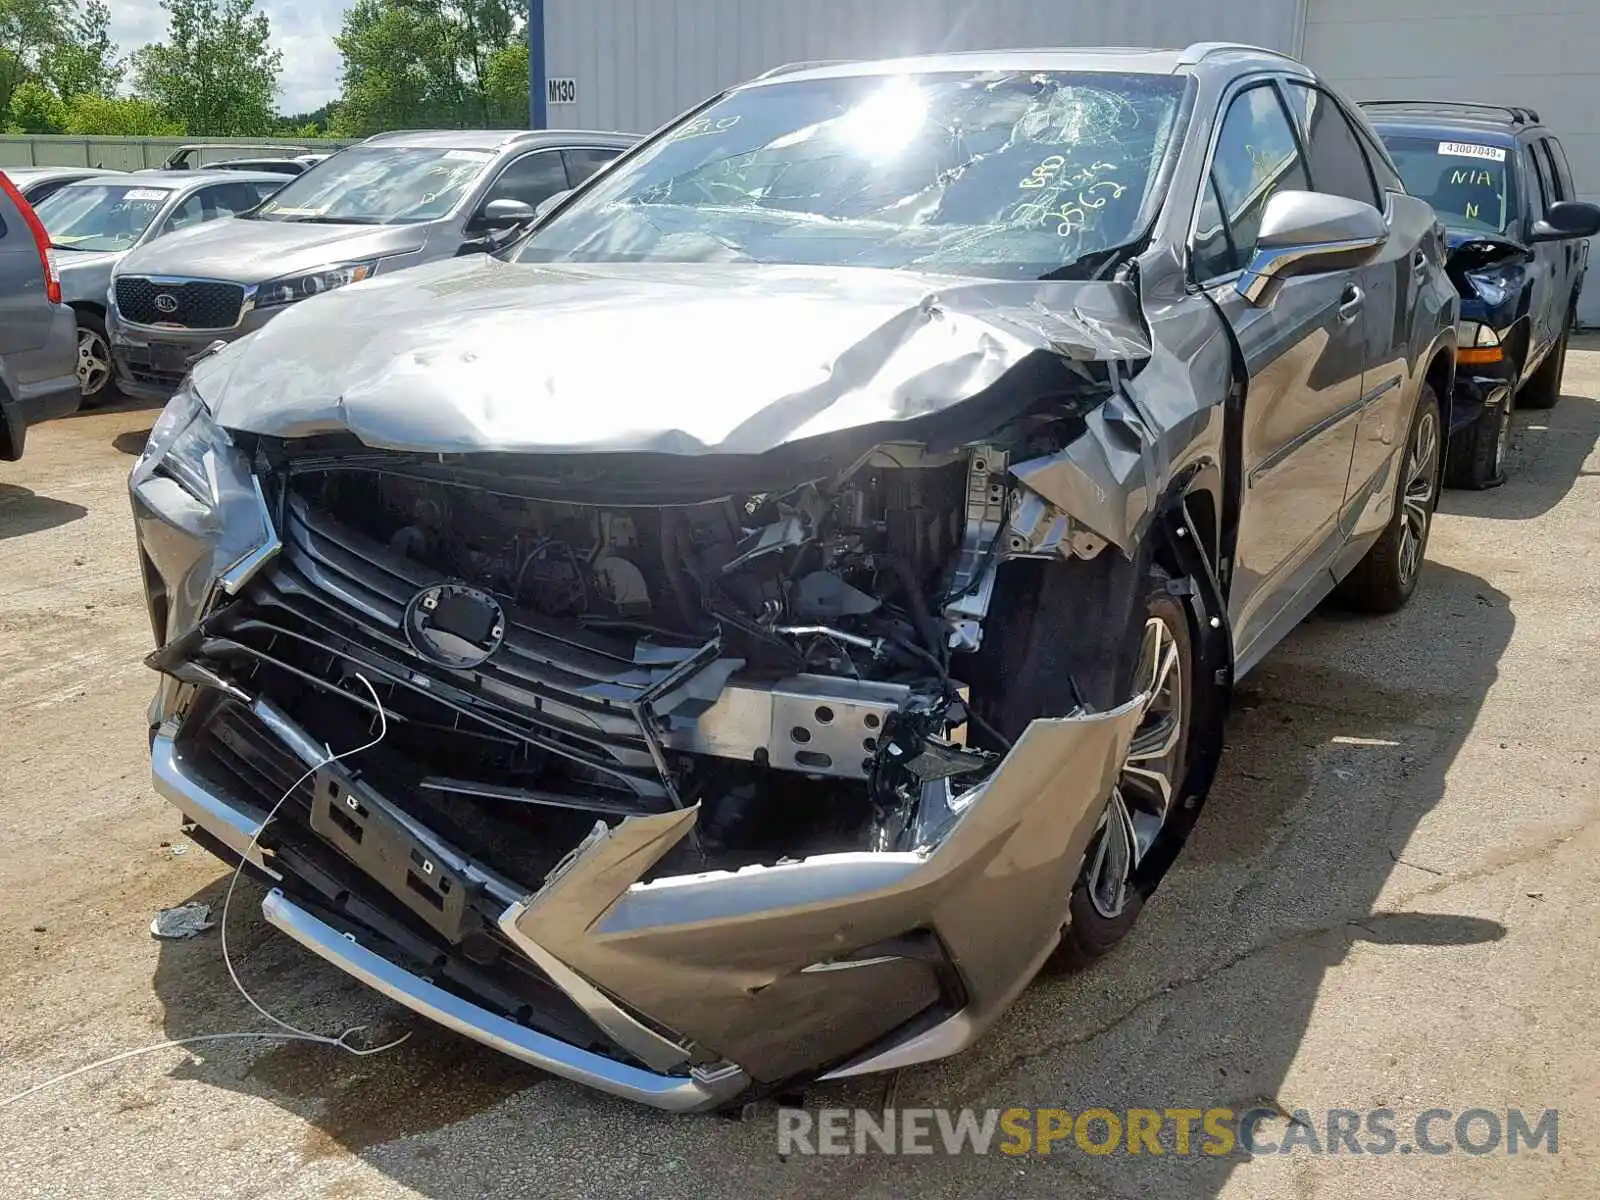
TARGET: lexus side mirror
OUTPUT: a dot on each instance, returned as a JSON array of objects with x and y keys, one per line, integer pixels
[
  {"x": 1305, "y": 233},
  {"x": 549, "y": 203},
  {"x": 505, "y": 214},
  {"x": 1567, "y": 219}
]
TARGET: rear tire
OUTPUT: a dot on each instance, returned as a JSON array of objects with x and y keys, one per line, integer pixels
[
  {"x": 1478, "y": 453},
  {"x": 1544, "y": 389},
  {"x": 1386, "y": 577}
]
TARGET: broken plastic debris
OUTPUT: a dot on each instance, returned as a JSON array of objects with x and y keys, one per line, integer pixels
[{"x": 182, "y": 922}]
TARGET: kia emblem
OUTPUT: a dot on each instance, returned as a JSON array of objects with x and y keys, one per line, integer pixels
[{"x": 167, "y": 303}]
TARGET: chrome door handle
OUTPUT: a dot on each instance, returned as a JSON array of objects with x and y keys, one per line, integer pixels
[{"x": 1354, "y": 301}]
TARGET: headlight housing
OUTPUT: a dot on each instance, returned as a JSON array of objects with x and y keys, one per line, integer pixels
[
  {"x": 1477, "y": 344},
  {"x": 1490, "y": 287},
  {"x": 183, "y": 446},
  {"x": 291, "y": 289}
]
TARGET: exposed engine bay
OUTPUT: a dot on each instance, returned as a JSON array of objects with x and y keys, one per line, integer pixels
[{"x": 793, "y": 659}]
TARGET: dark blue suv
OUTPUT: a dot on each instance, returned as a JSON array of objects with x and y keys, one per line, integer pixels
[{"x": 1499, "y": 182}]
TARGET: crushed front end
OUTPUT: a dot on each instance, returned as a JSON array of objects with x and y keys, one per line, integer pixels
[{"x": 684, "y": 788}]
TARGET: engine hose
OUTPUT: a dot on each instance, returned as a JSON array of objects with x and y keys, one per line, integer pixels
[{"x": 927, "y": 628}]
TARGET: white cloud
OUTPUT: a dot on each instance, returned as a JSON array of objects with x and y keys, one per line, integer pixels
[{"x": 302, "y": 29}]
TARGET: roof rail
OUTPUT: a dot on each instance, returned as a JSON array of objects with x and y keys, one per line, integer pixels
[
  {"x": 1194, "y": 53},
  {"x": 804, "y": 65},
  {"x": 1519, "y": 114}
]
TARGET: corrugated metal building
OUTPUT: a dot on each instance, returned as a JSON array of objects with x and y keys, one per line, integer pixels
[{"x": 633, "y": 64}]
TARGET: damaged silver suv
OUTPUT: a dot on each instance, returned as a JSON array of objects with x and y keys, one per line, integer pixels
[{"x": 797, "y": 588}]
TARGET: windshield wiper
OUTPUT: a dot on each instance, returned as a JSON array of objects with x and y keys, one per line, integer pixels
[{"x": 325, "y": 220}]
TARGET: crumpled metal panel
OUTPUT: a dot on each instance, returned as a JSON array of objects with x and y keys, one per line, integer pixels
[
  {"x": 720, "y": 958},
  {"x": 481, "y": 355}
]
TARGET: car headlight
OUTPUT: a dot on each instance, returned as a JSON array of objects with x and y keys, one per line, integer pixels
[
  {"x": 183, "y": 446},
  {"x": 1491, "y": 288},
  {"x": 1477, "y": 344},
  {"x": 291, "y": 289}
]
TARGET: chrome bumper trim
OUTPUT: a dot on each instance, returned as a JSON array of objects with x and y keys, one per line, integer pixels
[
  {"x": 231, "y": 822},
  {"x": 683, "y": 1094},
  {"x": 235, "y": 823}
]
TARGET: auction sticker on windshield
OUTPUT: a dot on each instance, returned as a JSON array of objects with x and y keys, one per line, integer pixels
[
  {"x": 144, "y": 194},
  {"x": 1472, "y": 150}
]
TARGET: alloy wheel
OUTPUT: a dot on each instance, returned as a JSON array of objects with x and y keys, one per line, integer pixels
[
  {"x": 94, "y": 363},
  {"x": 1142, "y": 798},
  {"x": 1421, "y": 471}
]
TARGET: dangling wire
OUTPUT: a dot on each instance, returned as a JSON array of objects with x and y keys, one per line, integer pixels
[{"x": 285, "y": 1031}]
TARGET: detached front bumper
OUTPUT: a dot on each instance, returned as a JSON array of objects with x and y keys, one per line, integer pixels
[{"x": 840, "y": 964}]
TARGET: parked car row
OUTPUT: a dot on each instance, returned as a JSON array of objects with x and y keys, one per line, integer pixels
[
  {"x": 792, "y": 588},
  {"x": 391, "y": 202}
]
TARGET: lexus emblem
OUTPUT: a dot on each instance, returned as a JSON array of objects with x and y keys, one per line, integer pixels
[
  {"x": 455, "y": 625},
  {"x": 166, "y": 302}
]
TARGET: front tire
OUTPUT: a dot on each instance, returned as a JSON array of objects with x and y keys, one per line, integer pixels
[
  {"x": 1477, "y": 458},
  {"x": 1115, "y": 879},
  {"x": 1386, "y": 577},
  {"x": 94, "y": 360}
]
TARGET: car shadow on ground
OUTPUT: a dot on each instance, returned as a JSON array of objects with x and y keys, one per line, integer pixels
[
  {"x": 115, "y": 403},
  {"x": 1548, "y": 450},
  {"x": 132, "y": 442},
  {"x": 23, "y": 511},
  {"x": 1338, "y": 748}
]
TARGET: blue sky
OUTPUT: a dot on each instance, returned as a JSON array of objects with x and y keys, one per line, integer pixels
[{"x": 302, "y": 29}]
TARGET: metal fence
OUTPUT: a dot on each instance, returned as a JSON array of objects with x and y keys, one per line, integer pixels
[{"x": 127, "y": 154}]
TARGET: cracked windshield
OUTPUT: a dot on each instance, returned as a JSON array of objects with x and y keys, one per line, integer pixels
[
  {"x": 377, "y": 185},
  {"x": 1006, "y": 175}
]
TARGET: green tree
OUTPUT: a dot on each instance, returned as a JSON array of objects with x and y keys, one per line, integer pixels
[
  {"x": 506, "y": 82},
  {"x": 84, "y": 61},
  {"x": 216, "y": 73},
  {"x": 431, "y": 64},
  {"x": 28, "y": 29},
  {"x": 36, "y": 109},
  {"x": 124, "y": 116}
]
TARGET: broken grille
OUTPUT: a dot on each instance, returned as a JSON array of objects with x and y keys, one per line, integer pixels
[{"x": 557, "y": 718}]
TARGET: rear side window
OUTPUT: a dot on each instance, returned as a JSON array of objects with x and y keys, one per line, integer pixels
[
  {"x": 1547, "y": 165},
  {"x": 1563, "y": 171},
  {"x": 1538, "y": 180},
  {"x": 1338, "y": 166},
  {"x": 1256, "y": 157},
  {"x": 585, "y": 162}
]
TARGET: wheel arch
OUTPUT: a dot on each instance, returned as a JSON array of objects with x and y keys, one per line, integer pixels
[{"x": 1440, "y": 374}]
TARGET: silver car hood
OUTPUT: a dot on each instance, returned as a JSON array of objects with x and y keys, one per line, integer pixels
[
  {"x": 476, "y": 354},
  {"x": 250, "y": 251},
  {"x": 85, "y": 274}
]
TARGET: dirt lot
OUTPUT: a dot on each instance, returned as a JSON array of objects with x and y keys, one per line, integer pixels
[{"x": 1389, "y": 903}]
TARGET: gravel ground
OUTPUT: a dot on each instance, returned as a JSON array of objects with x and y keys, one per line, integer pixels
[{"x": 1389, "y": 903}]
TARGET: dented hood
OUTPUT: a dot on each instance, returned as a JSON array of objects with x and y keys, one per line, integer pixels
[{"x": 478, "y": 354}]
